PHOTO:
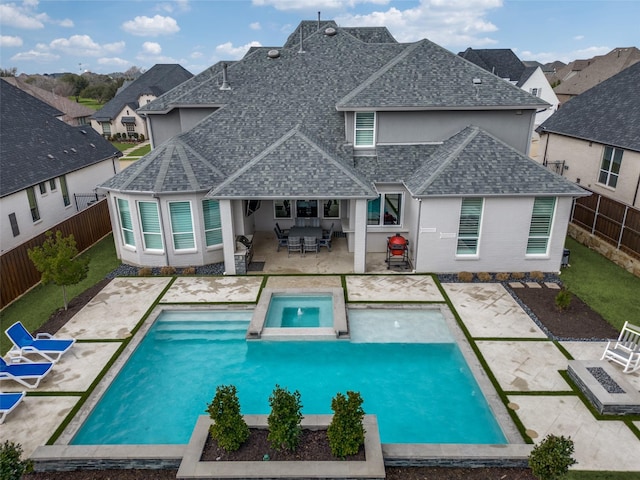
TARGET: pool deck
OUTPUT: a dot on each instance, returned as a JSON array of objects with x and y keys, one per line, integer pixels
[{"x": 523, "y": 361}]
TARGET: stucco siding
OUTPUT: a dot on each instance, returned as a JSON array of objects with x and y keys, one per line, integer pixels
[{"x": 164, "y": 127}]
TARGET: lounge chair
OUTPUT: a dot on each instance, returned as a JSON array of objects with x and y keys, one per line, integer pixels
[
  {"x": 43, "y": 344},
  {"x": 27, "y": 373},
  {"x": 626, "y": 350},
  {"x": 9, "y": 401}
]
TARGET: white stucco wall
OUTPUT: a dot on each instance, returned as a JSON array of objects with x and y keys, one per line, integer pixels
[
  {"x": 583, "y": 160},
  {"x": 539, "y": 81},
  {"x": 503, "y": 237}
]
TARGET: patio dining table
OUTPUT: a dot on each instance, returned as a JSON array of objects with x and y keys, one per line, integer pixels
[{"x": 306, "y": 232}]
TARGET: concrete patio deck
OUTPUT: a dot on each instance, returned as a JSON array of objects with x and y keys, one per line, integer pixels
[{"x": 523, "y": 361}]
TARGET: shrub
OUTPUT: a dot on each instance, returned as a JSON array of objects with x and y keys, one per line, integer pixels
[
  {"x": 189, "y": 271},
  {"x": 141, "y": 137},
  {"x": 284, "y": 419},
  {"x": 11, "y": 466},
  {"x": 465, "y": 276},
  {"x": 144, "y": 271},
  {"x": 168, "y": 270},
  {"x": 563, "y": 299},
  {"x": 517, "y": 275},
  {"x": 536, "y": 275},
  {"x": 485, "y": 276},
  {"x": 551, "y": 458},
  {"x": 503, "y": 276},
  {"x": 346, "y": 432},
  {"x": 229, "y": 430}
]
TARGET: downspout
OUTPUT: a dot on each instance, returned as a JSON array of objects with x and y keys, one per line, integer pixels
[
  {"x": 635, "y": 195},
  {"x": 415, "y": 251}
]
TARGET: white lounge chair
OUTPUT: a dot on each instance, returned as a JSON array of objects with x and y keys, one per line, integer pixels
[
  {"x": 626, "y": 350},
  {"x": 28, "y": 373},
  {"x": 44, "y": 344},
  {"x": 9, "y": 401}
]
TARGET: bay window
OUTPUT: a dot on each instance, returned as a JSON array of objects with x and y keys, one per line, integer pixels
[
  {"x": 126, "y": 225},
  {"x": 182, "y": 225},
  {"x": 150, "y": 223},
  {"x": 212, "y": 222}
]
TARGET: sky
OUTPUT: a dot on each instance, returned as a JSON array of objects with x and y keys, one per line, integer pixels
[{"x": 51, "y": 36}]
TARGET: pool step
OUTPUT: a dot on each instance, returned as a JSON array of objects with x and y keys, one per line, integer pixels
[{"x": 201, "y": 330}]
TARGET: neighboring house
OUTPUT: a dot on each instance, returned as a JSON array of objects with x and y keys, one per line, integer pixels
[
  {"x": 45, "y": 163},
  {"x": 581, "y": 75},
  {"x": 73, "y": 113},
  {"x": 594, "y": 139},
  {"x": 349, "y": 128},
  {"x": 118, "y": 116},
  {"x": 505, "y": 64}
]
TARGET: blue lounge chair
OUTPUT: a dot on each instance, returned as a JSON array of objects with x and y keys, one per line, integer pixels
[
  {"x": 28, "y": 373},
  {"x": 44, "y": 344},
  {"x": 9, "y": 401}
]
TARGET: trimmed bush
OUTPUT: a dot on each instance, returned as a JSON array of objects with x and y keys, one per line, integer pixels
[
  {"x": 11, "y": 466},
  {"x": 503, "y": 276},
  {"x": 485, "y": 276},
  {"x": 189, "y": 271},
  {"x": 346, "y": 431},
  {"x": 229, "y": 430},
  {"x": 284, "y": 419},
  {"x": 168, "y": 270},
  {"x": 536, "y": 275},
  {"x": 465, "y": 276},
  {"x": 144, "y": 271},
  {"x": 551, "y": 458},
  {"x": 563, "y": 299},
  {"x": 517, "y": 275}
]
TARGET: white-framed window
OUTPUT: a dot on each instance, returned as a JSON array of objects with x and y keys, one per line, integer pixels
[
  {"x": 365, "y": 128},
  {"x": 610, "y": 166},
  {"x": 331, "y": 208},
  {"x": 126, "y": 224},
  {"x": 106, "y": 129},
  {"x": 182, "y": 225},
  {"x": 52, "y": 184},
  {"x": 385, "y": 210},
  {"x": 541, "y": 223},
  {"x": 282, "y": 209},
  {"x": 65, "y": 191},
  {"x": 212, "y": 222},
  {"x": 33, "y": 204},
  {"x": 43, "y": 188},
  {"x": 150, "y": 226},
  {"x": 469, "y": 228},
  {"x": 535, "y": 91}
]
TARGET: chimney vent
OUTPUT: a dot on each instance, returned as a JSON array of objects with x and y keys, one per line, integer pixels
[
  {"x": 301, "y": 40},
  {"x": 273, "y": 53},
  {"x": 225, "y": 81},
  {"x": 330, "y": 31},
  {"x": 318, "y": 20}
]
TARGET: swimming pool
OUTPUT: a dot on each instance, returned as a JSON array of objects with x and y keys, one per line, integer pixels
[{"x": 421, "y": 392}]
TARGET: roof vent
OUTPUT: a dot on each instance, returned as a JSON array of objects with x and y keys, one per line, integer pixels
[
  {"x": 84, "y": 132},
  {"x": 50, "y": 156},
  {"x": 477, "y": 81},
  {"x": 66, "y": 151},
  {"x": 330, "y": 31},
  {"x": 273, "y": 53},
  {"x": 225, "y": 81},
  {"x": 92, "y": 145},
  {"x": 73, "y": 150}
]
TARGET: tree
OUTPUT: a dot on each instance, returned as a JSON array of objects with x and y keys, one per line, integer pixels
[
  {"x": 79, "y": 83},
  {"x": 8, "y": 72},
  {"x": 57, "y": 260}
]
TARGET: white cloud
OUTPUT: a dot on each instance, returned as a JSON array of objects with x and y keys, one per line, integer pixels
[
  {"x": 151, "y": 48},
  {"x": 114, "y": 61},
  {"x": 578, "y": 37},
  {"x": 151, "y": 27},
  {"x": 83, "y": 45},
  {"x": 228, "y": 51},
  {"x": 15, "y": 16},
  {"x": 314, "y": 4},
  {"x": 196, "y": 55},
  {"x": 255, "y": 26},
  {"x": 67, "y": 23},
  {"x": 175, "y": 6},
  {"x": 35, "y": 56},
  {"x": 566, "y": 57},
  {"x": 9, "y": 41}
]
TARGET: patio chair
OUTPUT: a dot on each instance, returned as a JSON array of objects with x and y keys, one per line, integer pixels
[
  {"x": 282, "y": 232},
  {"x": 43, "y": 344},
  {"x": 310, "y": 244},
  {"x": 625, "y": 350},
  {"x": 325, "y": 241},
  {"x": 294, "y": 245},
  {"x": 9, "y": 401},
  {"x": 28, "y": 373},
  {"x": 282, "y": 240}
]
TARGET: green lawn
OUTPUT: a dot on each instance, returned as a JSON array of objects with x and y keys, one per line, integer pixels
[
  {"x": 605, "y": 287},
  {"x": 122, "y": 146},
  {"x": 139, "y": 152},
  {"x": 88, "y": 102},
  {"x": 35, "y": 307}
]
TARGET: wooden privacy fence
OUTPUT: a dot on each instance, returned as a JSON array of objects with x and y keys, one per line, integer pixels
[
  {"x": 614, "y": 222},
  {"x": 19, "y": 274}
]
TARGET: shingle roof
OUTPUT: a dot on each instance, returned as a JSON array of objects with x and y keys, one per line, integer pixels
[
  {"x": 157, "y": 80},
  {"x": 608, "y": 113},
  {"x": 475, "y": 163},
  {"x": 36, "y": 146},
  {"x": 279, "y": 133},
  {"x": 499, "y": 61}
]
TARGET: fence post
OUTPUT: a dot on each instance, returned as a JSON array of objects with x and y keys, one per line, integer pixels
[
  {"x": 595, "y": 215},
  {"x": 622, "y": 226}
]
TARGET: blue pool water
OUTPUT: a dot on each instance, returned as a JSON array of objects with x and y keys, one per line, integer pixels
[
  {"x": 421, "y": 392},
  {"x": 300, "y": 311}
]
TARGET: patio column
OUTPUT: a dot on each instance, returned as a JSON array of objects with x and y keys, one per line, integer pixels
[
  {"x": 360, "y": 237},
  {"x": 228, "y": 238}
]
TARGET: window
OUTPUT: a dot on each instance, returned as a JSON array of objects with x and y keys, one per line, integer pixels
[
  {"x": 14, "y": 224},
  {"x": 33, "y": 204},
  {"x": 610, "y": 168},
  {"x": 306, "y": 208},
  {"x": 43, "y": 188},
  {"x": 182, "y": 225},
  {"x": 126, "y": 225},
  {"x": 540, "y": 229},
  {"x": 282, "y": 208},
  {"x": 65, "y": 191},
  {"x": 331, "y": 208},
  {"x": 131, "y": 129},
  {"x": 535, "y": 91},
  {"x": 106, "y": 129},
  {"x": 150, "y": 223},
  {"x": 469, "y": 229},
  {"x": 385, "y": 210},
  {"x": 52, "y": 184},
  {"x": 365, "y": 129},
  {"x": 212, "y": 222}
]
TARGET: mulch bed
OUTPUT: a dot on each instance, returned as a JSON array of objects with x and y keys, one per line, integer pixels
[{"x": 577, "y": 322}]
